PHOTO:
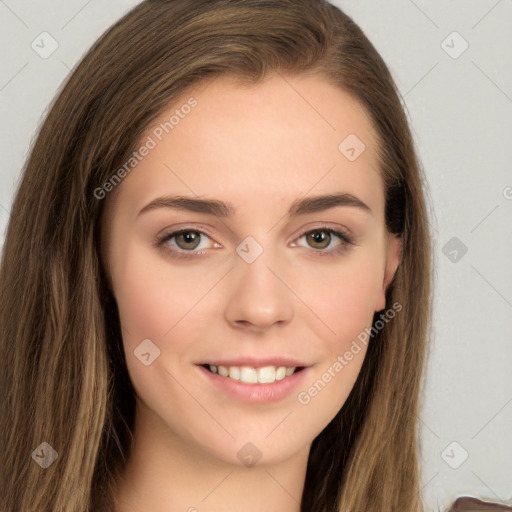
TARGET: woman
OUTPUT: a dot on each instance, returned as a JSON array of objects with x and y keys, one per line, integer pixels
[{"x": 266, "y": 370}]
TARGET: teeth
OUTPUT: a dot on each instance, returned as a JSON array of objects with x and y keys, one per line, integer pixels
[
  {"x": 250, "y": 375},
  {"x": 266, "y": 374},
  {"x": 234, "y": 372},
  {"x": 280, "y": 373},
  {"x": 246, "y": 374}
]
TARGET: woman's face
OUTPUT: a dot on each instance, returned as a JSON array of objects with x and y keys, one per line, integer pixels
[{"x": 273, "y": 277}]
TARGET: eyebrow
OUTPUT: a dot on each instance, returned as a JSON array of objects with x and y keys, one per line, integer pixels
[{"x": 221, "y": 209}]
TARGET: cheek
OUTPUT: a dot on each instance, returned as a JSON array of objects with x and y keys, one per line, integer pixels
[
  {"x": 152, "y": 300},
  {"x": 170, "y": 306},
  {"x": 158, "y": 305},
  {"x": 343, "y": 296},
  {"x": 345, "y": 304}
]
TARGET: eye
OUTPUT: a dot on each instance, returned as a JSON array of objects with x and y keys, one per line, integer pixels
[
  {"x": 183, "y": 242},
  {"x": 188, "y": 243},
  {"x": 321, "y": 238}
]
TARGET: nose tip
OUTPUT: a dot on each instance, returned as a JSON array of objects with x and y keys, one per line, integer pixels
[{"x": 257, "y": 298}]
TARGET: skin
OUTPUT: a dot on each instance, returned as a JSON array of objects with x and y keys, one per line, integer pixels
[{"x": 258, "y": 147}]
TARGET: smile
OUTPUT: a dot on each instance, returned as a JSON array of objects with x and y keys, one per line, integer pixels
[
  {"x": 261, "y": 384},
  {"x": 252, "y": 375}
]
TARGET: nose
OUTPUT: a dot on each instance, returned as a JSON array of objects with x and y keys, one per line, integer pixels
[{"x": 259, "y": 295}]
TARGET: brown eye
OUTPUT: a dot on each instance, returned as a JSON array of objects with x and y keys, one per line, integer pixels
[
  {"x": 185, "y": 243},
  {"x": 319, "y": 239},
  {"x": 187, "y": 240}
]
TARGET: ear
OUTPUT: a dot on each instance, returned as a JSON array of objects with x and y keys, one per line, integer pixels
[{"x": 394, "y": 256}]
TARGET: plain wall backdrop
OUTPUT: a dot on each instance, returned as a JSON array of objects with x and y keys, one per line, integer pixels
[{"x": 452, "y": 63}]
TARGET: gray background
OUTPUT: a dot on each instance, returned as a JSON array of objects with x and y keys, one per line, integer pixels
[{"x": 460, "y": 105}]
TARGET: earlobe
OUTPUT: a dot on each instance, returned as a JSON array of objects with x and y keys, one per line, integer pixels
[{"x": 394, "y": 256}]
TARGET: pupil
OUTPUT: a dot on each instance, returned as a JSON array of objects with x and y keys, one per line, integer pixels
[
  {"x": 189, "y": 238},
  {"x": 319, "y": 237}
]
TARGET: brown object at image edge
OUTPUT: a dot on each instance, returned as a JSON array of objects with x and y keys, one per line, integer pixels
[{"x": 469, "y": 504}]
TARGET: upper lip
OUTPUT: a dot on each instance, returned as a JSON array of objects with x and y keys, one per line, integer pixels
[{"x": 257, "y": 362}]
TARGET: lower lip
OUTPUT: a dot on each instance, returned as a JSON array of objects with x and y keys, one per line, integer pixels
[{"x": 256, "y": 393}]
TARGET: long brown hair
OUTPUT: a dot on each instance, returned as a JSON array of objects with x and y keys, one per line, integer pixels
[{"x": 63, "y": 373}]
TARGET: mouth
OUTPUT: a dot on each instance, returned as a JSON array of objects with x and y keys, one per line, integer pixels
[{"x": 252, "y": 374}]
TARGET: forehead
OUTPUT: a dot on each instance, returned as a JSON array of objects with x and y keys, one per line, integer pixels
[{"x": 279, "y": 139}]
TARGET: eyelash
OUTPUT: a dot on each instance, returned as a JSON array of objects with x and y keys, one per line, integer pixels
[{"x": 346, "y": 241}]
